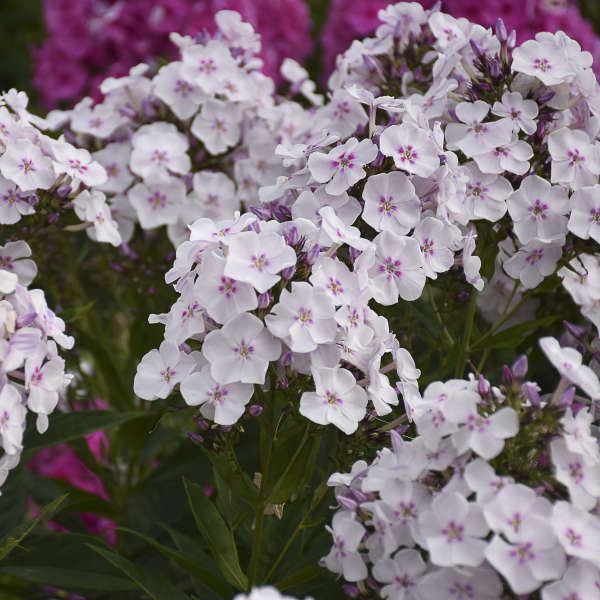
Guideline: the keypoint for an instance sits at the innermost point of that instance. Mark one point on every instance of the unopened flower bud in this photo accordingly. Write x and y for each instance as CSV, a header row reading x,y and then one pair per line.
x,y
287,359
63,191
291,235
282,213
255,226
351,590
354,253
494,68
53,217
128,111
197,439
576,331
148,108
310,258
262,212
202,423
33,199
476,49
255,410
264,300
288,272
511,40
567,397
500,31
519,368
546,97
360,496
507,377
347,503
483,387
202,37
531,393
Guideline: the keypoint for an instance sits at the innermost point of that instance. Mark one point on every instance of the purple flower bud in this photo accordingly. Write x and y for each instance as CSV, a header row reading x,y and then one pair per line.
x,y
576,331
507,377
255,410
226,428
483,387
567,397
264,300
511,40
494,68
63,191
350,590
287,359
188,180
202,37
291,235
378,159
397,441
282,213
360,496
544,459
128,111
288,272
148,108
546,97
476,49
347,503
117,267
463,296
373,66
519,368
262,212
500,30
310,258
33,199
354,253
531,393
197,439
255,226
53,217
202,423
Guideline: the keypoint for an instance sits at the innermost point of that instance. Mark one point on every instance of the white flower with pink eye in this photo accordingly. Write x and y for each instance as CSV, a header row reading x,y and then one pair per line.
x,y
160,371
521,113
484,196
343,166
208,66
158,203
584,220
180,94
391,203
396,269
581,580
575,159
213,196
435,240
43,382
461,583
482,479
531,554
24,163
485,435
581,479
186,317
99,121
13,258
337,400
114,158
411,148
159,149
78,164
333,276
542,60
512,157
582,279
241,350
577,530
473,136
218,125
257,259
338,232
222,403
577,433
538,210
12,419
207,230
471,263
568,362
92,207
401,574
13,203
223,297
344,557
303,318
452,529
342,115
533,262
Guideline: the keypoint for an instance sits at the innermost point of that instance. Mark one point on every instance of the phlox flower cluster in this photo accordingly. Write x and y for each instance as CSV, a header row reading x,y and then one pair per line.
x,y
37,169
348,20
195,139
32,371
452,513
90,40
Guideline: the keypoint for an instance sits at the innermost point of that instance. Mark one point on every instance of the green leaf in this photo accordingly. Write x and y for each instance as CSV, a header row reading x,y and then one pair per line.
x,y
509,338
151,582
217,535
10,541
65,427
188,562
64,560
299,578
73,314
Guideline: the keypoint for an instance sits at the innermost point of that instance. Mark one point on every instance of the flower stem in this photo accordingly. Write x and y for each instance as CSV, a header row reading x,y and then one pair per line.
x,y
464,344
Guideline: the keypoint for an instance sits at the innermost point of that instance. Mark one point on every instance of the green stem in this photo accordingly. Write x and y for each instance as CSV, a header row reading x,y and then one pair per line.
x,y
258,526
464,344
438,316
